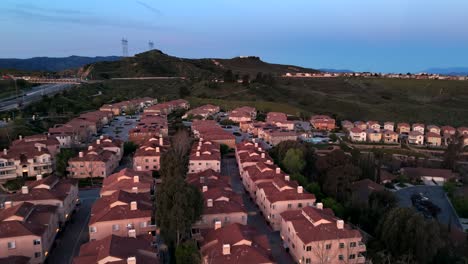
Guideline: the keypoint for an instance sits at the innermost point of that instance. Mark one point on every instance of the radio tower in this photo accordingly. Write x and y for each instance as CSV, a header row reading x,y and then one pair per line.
x,y
124,47
151,45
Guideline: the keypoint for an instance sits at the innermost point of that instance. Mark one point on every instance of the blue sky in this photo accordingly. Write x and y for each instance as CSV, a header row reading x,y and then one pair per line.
x,y
362,35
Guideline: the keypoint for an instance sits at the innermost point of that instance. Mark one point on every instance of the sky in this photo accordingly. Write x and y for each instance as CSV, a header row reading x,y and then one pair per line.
x,y
360,35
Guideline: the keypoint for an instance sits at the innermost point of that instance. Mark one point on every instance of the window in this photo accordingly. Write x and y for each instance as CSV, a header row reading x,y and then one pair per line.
x,y
92,229
115,227
341,245
37,254
299,205
352,256
340,257
143,224
289,206
328,246
309,248
273,207
11,245
273,216
307,261
352,244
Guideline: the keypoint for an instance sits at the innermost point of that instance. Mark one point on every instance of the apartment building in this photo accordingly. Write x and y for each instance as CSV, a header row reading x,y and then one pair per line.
x,y
25,161
322,122
40,140
147,157
205,155
149,126
122,214
49,191
243,114
280,120
202,112
281,195
168,107
249,153
128,180
211,131
259,173
462,131
28,231
210,179
276,135
448,131
315,235
235,243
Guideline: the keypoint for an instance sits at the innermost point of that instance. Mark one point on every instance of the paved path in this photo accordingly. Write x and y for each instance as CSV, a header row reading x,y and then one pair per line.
x,y
75,233
436,195
255,219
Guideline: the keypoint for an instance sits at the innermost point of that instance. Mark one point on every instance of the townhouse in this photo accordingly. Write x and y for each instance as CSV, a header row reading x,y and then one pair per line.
x,y
202,112
130,250
389,137
416,138
66,134
25,161
373,136
361,125
205,155
209,178
418,127
128,180
322,122
28,231
49,191
147,157
259,173
433,139
281,195
275,136
433,129
462,131
243,114
249,154
100,118
148,127
315,235
40,140
168,107
403,128
390,126
99,160
280,120
448,131
374,125
211,131
122,214
357,135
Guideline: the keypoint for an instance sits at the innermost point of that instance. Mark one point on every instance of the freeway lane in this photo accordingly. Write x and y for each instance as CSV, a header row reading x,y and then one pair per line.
x,y
34,95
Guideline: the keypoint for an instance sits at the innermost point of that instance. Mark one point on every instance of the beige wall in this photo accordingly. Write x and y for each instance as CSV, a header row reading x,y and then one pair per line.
x,y
147,163
104,229
202,165
208,220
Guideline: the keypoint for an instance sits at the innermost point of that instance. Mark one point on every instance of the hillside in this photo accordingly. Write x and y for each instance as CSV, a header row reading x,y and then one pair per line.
x,y
51,64
156,63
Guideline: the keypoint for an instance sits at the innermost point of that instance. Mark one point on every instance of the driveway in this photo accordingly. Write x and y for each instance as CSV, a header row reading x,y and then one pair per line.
x,y
437,196
75,233
229,168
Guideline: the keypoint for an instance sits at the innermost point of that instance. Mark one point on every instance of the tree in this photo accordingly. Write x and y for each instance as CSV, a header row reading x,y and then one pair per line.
x,y
184,92
61,161
245,79
333,137
229,77
331,203
129,148
294,160
187,253
224,149
451,155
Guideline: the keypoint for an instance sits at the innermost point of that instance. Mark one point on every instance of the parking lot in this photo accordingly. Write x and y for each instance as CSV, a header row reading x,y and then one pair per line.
x,y
120,126
436,195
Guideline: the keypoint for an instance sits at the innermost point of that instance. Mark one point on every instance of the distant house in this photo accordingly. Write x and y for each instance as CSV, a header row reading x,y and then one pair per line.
x,y
448,131
347,125
418,127
373,125
433,139
373,136
462,131
403,128
389,126
416,138
361,125
363,189
243,114
357,135
389,137
205,155
323,122
433,129
440,176
465,140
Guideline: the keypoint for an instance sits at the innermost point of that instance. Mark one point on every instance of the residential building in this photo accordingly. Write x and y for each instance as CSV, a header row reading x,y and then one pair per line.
x,y
209,178
389,137
374,125
280,120
149,126
147,157
235,243
25,161
259,173
361,125
403,128
168,107
66,134
28,230
121,213
116,249
362,189
357,135
205,155
128,180
433,139
279,195
276,136
347,125
323,122
448,131
315,235
462,131
433,129
418,127
210,130
243,114
202,112
465,140
50,190
100,118
428,175
416,138
35,141
373,136
249,153
389,126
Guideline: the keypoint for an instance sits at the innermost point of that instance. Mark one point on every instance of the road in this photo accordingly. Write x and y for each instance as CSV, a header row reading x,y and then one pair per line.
x,y
255,219
75,233
436,195
33,95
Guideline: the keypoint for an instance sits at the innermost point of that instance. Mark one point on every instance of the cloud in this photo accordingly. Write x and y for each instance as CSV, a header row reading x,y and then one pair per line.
x,y
35,8
149,7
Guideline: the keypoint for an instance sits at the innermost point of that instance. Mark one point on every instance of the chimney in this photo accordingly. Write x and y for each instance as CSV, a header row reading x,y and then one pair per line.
x,y
161,141
278,170
90,147
98,141
136,179
286,177
319,206
138,168
339,224
133,206
260,149
262,155
202,179
209,203
256,145
24,190
101,137
131,260
200,143
132,233
8,204
157,149
205,188
201,140
300,189
20,137
5,151
198,147
80,154
217,225
39,148
198,154
135,189
38,177
226,249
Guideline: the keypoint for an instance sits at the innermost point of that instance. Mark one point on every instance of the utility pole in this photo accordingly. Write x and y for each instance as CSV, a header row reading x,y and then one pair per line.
x,y
124,47
151,45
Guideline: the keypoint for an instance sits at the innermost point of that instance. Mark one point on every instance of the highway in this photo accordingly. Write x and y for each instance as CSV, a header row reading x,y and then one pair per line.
x,y
33,95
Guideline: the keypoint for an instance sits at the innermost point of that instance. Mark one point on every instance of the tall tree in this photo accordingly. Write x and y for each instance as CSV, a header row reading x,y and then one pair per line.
x,y
294,160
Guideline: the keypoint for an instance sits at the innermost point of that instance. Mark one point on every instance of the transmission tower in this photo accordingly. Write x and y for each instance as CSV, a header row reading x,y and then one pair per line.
x,y
151,45
124,47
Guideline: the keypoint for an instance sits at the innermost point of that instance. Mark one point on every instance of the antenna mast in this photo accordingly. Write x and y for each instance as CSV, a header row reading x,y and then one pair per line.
x,y
124,47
